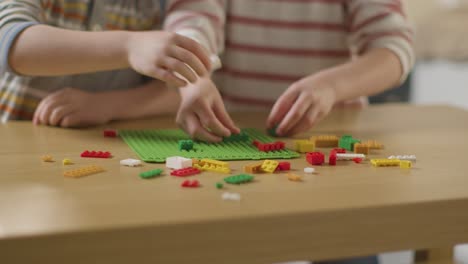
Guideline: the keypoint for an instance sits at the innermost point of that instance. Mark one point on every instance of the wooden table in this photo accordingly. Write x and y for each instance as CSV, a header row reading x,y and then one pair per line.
x,y
347,210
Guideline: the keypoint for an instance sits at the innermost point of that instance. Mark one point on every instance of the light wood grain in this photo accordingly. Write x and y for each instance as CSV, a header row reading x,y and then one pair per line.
x,y
347,210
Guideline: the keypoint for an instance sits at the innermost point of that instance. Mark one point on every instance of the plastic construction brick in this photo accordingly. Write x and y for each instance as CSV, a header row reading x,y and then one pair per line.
x,y
242,136
96,154
361,148
186,144
110,133
231,196
266,147
269,165
178,162
309,170
304,146
253,168
332,159
130,162
47,158
67,162
284,166
325,141
81,172
185,172
339,150
357,160
385,162
315,158
349,156
272,131
347,142
373,144
405,164
157,145
239,179
404,157
294,177
219,185
151,174
212,165
190,184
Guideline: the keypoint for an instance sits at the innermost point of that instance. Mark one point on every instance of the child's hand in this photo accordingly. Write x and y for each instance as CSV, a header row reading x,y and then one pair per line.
x,y
72,108
160,54
302,105
202,114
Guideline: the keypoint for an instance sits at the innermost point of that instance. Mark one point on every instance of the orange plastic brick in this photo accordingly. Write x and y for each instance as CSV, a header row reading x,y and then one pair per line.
x,y
81,172
253,168
325,141
361,148
373,144
294,177
47,158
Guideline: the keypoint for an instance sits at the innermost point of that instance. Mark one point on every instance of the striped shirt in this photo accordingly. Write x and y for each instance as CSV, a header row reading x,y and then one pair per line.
x,y
20,95
270,44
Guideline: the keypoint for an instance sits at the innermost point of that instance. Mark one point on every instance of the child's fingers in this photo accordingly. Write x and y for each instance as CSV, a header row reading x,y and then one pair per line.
x,y
70,120
194,127
281,107
59,113
309,119
294,115
187,57
209,120
167,77
195,48
38,113
181,68
224,118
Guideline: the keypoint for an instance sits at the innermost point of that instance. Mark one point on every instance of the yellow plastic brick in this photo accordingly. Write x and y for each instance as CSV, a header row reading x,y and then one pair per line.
x,y
405,164
373,144
67,162
385,162
304,146
212,165
85,171
269,165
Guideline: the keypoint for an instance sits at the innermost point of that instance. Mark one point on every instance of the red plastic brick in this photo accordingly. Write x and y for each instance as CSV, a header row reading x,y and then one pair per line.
x,y
266,147
339,150
332,159
315,158
190,184
96,154
357,160
284,166
185,172
110,133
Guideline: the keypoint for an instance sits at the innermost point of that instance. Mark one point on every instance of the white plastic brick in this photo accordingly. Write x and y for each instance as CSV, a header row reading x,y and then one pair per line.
x,y
130,162
403,157
177,162
227,196
349,156
309,170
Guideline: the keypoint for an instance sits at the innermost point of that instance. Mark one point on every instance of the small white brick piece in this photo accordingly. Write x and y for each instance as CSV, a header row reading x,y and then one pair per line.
x,y
231,196
349,156
177,162
130,162
309,170
403,157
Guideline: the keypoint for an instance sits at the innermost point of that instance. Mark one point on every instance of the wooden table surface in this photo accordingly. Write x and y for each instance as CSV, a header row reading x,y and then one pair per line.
x,y
347,210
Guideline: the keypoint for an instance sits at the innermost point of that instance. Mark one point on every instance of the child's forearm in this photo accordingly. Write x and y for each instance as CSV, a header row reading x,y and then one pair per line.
x,y
152,98
371,73
43,50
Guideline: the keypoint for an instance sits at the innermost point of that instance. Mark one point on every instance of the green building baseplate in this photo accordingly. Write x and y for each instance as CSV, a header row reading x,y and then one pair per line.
x,y
157,145
239,179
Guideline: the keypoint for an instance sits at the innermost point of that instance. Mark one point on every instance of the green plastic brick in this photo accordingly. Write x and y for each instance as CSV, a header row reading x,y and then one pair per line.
x,y
185,144
347,142
151,174
242,136
219,185
272,131
238,179
157,145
